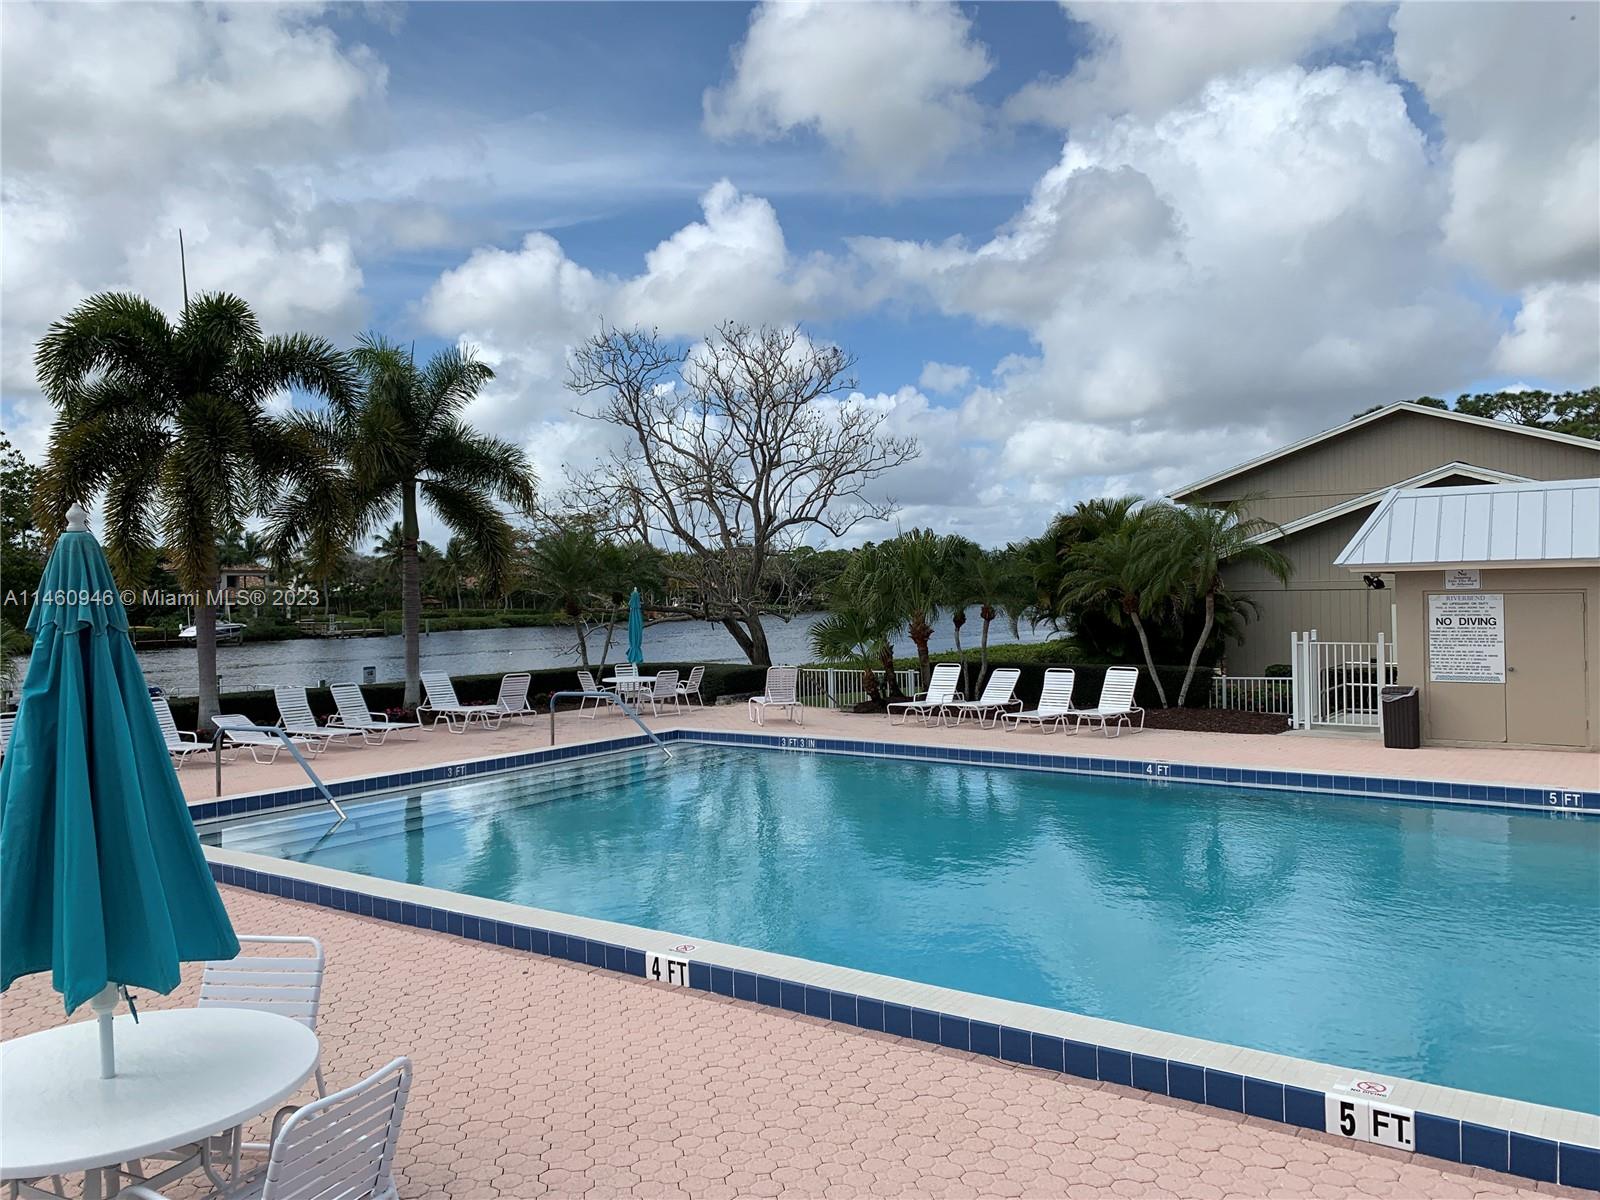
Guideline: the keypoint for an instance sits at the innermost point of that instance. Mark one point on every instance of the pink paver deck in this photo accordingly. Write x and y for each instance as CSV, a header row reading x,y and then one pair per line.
x,y
1333,753
536,1077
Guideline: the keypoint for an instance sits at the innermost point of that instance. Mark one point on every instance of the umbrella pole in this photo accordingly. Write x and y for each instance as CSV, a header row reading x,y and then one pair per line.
x,y
104,1003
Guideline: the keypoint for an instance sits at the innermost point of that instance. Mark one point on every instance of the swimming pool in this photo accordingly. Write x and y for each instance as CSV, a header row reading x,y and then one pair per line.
x,y
1453,945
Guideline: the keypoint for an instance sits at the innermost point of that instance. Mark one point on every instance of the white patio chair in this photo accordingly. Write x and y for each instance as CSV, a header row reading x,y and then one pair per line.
x,y
782,685
590,704
457,717
237,731
513,698
663,691
997,699
7,720
628,681
943,689
340,1147
1116,707
354,714
690,689
181,744
1055,702
289,985
294,713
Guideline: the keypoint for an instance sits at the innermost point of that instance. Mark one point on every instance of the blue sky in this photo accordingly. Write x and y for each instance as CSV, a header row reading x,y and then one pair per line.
x,y
1075,249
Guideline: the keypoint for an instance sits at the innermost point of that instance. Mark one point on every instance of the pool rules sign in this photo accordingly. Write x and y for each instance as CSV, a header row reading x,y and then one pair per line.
x,y
1467,638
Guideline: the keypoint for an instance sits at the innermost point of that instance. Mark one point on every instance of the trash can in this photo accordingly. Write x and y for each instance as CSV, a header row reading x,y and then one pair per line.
x,y
1400,711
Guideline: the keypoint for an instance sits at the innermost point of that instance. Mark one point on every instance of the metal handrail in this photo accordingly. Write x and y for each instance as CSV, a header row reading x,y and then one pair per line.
x,y
282,735
613,698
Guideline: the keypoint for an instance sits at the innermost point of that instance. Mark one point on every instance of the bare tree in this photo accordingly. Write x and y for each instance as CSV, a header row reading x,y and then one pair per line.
x,y
735,450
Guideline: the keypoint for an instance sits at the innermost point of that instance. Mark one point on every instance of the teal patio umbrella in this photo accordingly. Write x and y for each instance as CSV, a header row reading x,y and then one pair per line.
x,y
102,881
635,629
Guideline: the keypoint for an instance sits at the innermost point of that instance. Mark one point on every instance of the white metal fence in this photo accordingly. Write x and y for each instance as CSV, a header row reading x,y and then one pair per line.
x,y
1254,693
1336,684
841,687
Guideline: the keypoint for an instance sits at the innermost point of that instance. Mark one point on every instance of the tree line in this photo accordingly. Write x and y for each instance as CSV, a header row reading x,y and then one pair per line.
x,y
1131,581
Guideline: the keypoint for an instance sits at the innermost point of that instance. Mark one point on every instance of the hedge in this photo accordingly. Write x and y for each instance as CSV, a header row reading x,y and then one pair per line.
x,y
721,679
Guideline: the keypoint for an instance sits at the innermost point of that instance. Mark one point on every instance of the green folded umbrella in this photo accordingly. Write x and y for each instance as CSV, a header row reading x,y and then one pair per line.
x,y
635,629
102,881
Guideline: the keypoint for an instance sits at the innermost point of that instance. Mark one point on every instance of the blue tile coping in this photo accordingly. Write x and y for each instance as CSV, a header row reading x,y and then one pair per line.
x,y
1557,801
1568,1163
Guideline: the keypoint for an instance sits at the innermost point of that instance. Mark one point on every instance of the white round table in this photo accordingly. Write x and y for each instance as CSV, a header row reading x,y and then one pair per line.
x,y
182,1075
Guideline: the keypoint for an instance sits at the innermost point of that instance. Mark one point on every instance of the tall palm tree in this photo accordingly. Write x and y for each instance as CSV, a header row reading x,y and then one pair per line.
x,y
1190,546
1001,587
171,424
408,446
1113,573
912,571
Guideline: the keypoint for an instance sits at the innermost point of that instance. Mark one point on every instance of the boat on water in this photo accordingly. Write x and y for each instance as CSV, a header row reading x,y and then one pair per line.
x,y
228,632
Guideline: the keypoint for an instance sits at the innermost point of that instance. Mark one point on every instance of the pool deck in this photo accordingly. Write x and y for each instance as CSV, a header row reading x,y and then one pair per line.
x,y
538,1077
1335,753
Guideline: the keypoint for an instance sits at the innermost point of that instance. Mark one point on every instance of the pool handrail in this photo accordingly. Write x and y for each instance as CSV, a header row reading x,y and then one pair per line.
x,y
612,698
288,743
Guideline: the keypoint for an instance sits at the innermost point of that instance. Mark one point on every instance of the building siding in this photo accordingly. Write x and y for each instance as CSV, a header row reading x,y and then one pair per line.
x,y
1381,454
1332,600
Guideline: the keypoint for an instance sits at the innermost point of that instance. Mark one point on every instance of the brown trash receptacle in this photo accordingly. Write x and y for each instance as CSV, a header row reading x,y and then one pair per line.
x,y
1400,713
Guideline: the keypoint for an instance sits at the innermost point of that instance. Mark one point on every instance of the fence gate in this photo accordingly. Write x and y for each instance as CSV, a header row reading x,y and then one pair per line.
x,y
1336,684
840,687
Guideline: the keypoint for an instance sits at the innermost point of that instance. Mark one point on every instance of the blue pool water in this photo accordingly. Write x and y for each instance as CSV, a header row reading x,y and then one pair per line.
x,y
1456,946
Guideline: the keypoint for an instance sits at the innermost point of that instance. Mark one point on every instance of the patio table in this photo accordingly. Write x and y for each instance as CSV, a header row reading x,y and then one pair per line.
x,y
182,1075
631,683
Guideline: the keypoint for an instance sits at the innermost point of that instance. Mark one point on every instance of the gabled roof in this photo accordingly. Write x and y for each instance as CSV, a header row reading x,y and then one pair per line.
x,y
1484,474
1518,524
1370,418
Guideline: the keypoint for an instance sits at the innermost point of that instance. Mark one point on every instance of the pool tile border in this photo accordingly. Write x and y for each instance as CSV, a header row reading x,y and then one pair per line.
x,y
1556,801
1572,1164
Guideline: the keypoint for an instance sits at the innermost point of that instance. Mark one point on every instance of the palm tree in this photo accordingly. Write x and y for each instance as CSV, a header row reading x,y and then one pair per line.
x,y
1112,574
857,635
171,424
1190,547
564,564
911,573
456,563
407,445
1001,586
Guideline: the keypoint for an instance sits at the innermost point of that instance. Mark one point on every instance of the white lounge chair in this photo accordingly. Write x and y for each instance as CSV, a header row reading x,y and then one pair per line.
x,y
238,731
1116,707
513,698
181,744
997,699
943,689
354,714
1055,702
341,1145
294,713
458,717
7,720
690,689
782,685
664,691
590,704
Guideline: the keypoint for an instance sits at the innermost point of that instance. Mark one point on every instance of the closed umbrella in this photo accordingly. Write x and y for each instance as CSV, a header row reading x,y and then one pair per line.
x,y
635,629
102,881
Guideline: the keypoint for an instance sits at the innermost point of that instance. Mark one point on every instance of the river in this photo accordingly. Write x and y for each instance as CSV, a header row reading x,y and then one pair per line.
x,y
485,651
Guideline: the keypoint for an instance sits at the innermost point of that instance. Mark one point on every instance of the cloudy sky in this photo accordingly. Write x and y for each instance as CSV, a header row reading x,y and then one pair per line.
x,y
1077,249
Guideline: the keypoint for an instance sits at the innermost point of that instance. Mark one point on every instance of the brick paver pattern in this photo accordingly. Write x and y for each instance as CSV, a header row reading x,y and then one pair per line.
x,y
543,1078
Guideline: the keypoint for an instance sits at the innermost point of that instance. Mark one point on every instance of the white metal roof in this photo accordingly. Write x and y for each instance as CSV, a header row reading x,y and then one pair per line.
x,y
1547,522
1381,414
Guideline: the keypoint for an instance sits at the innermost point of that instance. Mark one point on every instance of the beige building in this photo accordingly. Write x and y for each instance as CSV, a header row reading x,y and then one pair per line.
x,y
1321,490
1498,608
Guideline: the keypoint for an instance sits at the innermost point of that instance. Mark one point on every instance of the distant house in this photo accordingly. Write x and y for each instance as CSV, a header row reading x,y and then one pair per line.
x,y
1321,490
